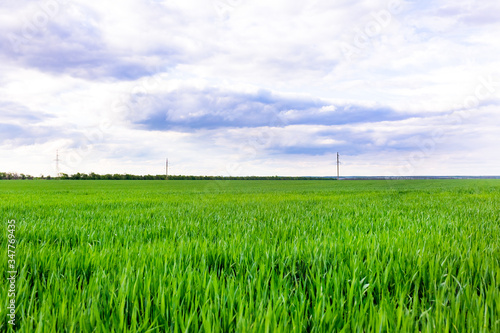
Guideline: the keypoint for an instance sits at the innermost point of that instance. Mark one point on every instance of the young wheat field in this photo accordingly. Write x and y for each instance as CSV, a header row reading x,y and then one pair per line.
x,y
253,256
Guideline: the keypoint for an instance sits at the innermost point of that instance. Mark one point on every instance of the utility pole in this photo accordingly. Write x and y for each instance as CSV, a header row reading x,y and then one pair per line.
x,y
57,163
338,169
166,170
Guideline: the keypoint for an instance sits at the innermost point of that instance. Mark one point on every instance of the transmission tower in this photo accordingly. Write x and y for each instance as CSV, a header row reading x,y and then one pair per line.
x,y
57,163
166,170
338,167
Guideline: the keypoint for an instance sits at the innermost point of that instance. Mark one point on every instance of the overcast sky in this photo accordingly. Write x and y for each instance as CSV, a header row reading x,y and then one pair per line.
x,y
250,87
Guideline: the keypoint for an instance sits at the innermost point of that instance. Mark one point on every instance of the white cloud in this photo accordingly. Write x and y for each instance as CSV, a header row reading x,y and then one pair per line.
x,y
86,73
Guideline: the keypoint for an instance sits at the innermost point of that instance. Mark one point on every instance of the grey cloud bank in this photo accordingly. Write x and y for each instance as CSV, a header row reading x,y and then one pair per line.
x,y
258,84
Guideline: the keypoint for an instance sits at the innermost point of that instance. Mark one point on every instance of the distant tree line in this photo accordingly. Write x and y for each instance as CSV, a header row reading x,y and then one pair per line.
x,y
14,175
95,176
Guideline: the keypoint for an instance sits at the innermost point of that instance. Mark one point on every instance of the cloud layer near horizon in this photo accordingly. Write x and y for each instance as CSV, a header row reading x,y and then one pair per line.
x,y
236,87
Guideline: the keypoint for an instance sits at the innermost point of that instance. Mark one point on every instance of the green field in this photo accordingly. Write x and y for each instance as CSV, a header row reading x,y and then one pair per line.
x,y
253,256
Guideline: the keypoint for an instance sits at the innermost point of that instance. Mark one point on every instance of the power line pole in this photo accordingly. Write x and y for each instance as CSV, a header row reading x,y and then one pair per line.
x,y
166,170
57,162
338,169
